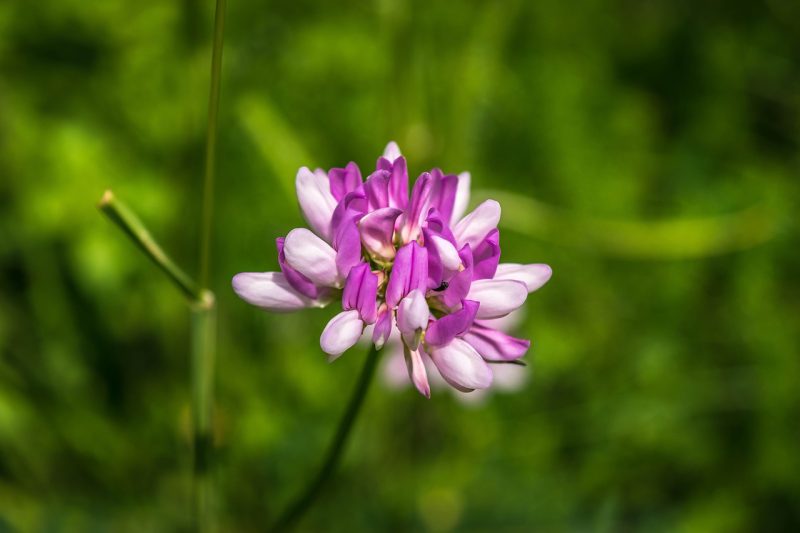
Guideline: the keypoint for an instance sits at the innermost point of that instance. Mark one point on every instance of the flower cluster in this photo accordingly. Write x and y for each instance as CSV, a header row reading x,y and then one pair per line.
x,y
397,261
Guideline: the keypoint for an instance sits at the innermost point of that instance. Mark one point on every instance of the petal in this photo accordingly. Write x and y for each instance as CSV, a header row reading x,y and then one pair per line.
x,y
486,256
440,332
409,272
497,297
391,152
316,201
474,227
344,180
459,284
299,282
341,333
312,257
348,247
447,253
418,207
416,371
461,366
462,197
360,292
376,189
270,290
412,316
533,276
377,231
444,193
494,345
383,326
398,184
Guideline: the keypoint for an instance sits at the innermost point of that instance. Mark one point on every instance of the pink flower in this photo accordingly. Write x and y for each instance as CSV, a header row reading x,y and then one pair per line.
x,y
410,266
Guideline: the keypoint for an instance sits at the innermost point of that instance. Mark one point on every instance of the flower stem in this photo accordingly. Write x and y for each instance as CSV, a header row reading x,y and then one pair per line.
x,y
300,505
211,140
126,219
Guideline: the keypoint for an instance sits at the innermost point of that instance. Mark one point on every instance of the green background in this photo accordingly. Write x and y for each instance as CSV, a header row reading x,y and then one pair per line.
x,y
648,151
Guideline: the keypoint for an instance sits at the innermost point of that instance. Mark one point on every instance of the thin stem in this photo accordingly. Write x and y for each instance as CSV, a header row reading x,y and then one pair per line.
x,y
126,219
301,504
211,140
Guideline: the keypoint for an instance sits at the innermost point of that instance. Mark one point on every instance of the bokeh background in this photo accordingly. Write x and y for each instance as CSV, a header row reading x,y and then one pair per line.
x,y
647,150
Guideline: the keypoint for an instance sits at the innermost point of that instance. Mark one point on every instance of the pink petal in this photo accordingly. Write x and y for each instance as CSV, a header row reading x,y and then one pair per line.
x,y
494,345
344,180
409,272
391,152
383,326
270,290
462,197
360,292
497,297
474,227
416,371
312,257
341,333
533,275
461,366
440,332
316,201
377,231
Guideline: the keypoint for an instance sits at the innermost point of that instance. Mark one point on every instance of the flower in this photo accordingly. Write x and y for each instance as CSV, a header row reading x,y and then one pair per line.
x,y
411,267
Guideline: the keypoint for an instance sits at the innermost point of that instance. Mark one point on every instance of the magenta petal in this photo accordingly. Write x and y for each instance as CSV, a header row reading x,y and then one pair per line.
x,y
438,226
398,180
416,371
377,190
435,268
409,272
460,283
494,345
383,326
486,256
344,180
461,366
298,281
444,193
447,328
418,207
353,205
348,247
360,292
377,231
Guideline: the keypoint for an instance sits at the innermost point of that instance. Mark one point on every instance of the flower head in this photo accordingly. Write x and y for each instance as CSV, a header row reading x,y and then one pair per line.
x,y
411,265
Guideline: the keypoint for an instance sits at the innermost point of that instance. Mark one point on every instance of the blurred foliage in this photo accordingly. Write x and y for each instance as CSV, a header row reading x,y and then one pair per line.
x,y
647,150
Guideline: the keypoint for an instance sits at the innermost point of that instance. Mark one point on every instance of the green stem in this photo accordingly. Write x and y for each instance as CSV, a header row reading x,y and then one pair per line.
x,y
211,140
127,220
301,504
204,321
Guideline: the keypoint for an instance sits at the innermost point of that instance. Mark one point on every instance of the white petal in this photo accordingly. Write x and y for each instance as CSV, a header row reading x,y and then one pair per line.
x,y
416,371
462,197
392,151
461,366
316,201
412,312
312,257
533,276
473,228
341,333
497,297
447,253
270,290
